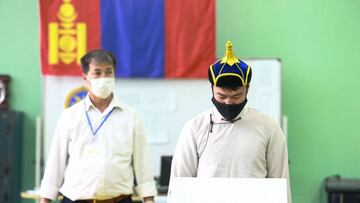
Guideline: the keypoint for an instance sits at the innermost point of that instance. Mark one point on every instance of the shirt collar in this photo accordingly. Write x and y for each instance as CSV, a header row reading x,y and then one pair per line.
x,y
114,103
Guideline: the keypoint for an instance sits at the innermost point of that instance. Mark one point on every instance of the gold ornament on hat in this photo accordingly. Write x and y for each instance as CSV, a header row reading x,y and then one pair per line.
x,y
229,57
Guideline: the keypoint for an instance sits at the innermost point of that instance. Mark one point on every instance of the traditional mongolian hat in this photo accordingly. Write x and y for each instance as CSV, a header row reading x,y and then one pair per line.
x,y
229,71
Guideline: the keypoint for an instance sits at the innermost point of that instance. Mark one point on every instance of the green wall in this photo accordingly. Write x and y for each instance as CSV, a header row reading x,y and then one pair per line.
x,y
318,42
19,57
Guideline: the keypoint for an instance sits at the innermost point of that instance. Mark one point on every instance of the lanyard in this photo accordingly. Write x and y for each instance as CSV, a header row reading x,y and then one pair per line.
x,y
102,122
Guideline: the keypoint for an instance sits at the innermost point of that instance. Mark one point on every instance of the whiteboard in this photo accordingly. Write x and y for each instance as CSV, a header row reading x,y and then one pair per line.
x,y
166,104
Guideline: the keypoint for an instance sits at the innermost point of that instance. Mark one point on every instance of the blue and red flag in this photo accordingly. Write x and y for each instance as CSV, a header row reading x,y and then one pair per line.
x,y
150,39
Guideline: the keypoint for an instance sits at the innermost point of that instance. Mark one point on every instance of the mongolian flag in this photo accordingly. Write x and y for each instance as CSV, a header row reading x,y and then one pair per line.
x,y
150,38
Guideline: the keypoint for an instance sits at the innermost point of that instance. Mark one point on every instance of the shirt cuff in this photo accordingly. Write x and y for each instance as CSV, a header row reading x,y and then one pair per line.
x,y
48,191
146,189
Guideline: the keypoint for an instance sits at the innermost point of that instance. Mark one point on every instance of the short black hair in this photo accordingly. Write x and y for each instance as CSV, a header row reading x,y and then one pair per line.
x,y
230,88
99,56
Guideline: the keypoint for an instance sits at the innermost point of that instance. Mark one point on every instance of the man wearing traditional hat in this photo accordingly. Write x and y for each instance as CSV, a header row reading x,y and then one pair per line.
x,y
231,140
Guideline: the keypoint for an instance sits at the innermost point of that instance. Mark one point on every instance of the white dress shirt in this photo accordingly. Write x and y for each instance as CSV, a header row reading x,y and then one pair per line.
x,y
81,165
251,147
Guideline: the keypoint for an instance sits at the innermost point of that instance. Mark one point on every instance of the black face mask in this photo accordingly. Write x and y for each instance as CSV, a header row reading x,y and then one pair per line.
x,y
229,111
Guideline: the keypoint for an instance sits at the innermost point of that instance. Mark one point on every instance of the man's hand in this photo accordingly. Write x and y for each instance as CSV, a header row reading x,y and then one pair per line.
x,y
44,200
149,199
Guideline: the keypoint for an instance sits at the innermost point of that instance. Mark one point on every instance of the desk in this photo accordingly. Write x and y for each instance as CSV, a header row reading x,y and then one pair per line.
x,y
32,195
35,196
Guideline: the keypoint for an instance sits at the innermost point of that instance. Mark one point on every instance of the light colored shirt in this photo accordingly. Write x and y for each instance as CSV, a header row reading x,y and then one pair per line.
x,y
251,147
81,165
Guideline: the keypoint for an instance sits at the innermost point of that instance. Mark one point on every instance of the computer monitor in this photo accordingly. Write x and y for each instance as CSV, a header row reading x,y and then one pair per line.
x,y
165,168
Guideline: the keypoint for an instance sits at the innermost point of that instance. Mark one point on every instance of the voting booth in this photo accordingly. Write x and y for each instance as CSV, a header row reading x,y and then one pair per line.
x,y
215,190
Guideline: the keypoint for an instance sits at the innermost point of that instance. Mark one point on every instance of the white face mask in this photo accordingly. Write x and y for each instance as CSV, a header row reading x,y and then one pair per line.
x,y
102,87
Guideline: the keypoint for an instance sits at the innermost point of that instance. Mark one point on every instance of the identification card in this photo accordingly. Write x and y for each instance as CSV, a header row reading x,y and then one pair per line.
x,y
93,150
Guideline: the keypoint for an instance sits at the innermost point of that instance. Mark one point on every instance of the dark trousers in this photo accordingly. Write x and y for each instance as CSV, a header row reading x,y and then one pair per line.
x,y
67,200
